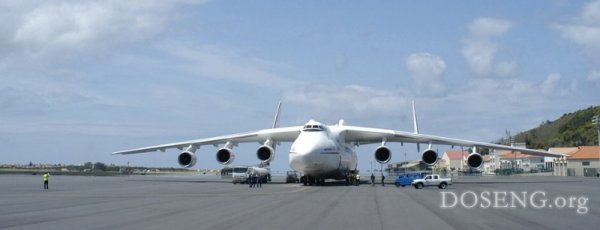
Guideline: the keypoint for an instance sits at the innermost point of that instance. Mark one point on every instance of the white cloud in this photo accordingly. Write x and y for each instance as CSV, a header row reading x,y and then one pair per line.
x,y
584,29
55,29
507,68
427,71
486,96
594,77
351,101
222,63
548,86
480,48
487,28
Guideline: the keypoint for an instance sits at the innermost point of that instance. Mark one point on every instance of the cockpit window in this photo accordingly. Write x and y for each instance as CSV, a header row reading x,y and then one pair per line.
x,y
313,128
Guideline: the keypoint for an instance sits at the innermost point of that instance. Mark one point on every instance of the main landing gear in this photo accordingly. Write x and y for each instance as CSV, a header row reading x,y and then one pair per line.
x,y
312,181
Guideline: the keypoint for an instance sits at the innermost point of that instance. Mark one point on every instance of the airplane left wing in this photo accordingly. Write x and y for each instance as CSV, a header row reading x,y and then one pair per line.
x,y
364,135
286,134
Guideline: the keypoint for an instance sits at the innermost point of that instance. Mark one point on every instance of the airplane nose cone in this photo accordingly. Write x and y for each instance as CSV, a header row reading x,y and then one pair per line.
x,y
314,154
305,159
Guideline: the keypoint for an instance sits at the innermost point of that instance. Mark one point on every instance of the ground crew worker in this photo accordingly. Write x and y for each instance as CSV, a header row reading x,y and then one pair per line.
x,y
249,180
45,176
357,179
259,181
382,180
372,179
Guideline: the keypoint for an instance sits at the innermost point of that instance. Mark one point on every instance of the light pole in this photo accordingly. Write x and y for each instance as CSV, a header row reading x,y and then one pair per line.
x,y
596,121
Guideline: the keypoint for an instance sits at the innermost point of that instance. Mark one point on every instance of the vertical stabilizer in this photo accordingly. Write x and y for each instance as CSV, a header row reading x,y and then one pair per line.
x,y
415,123
276,121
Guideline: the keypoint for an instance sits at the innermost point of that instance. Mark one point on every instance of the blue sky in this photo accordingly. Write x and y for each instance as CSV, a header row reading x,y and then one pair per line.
x,y
81,79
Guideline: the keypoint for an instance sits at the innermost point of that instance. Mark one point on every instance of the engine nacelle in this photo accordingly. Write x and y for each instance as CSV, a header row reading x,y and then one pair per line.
x,y
265,153
475,160
225,156
186,159
429,156
383,154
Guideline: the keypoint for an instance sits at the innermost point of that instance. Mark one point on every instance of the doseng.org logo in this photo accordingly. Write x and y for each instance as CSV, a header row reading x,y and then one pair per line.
x,y
511,199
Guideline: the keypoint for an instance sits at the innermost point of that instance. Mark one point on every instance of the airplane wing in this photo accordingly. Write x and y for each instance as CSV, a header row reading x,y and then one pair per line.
x,y
364,135
286,134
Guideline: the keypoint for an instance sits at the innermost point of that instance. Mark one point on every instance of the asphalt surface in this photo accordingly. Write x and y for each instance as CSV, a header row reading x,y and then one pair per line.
x,y
151,202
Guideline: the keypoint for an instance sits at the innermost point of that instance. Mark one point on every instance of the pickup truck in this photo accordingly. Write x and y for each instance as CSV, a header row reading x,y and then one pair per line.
x,y
432,180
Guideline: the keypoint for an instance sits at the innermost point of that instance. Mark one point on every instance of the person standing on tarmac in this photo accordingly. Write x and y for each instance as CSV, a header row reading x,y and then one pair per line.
x,y
357,179
259,181
45,176
250,181
382,180
372,179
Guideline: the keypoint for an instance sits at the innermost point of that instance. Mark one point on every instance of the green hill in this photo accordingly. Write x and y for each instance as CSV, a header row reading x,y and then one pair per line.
x,y
571,129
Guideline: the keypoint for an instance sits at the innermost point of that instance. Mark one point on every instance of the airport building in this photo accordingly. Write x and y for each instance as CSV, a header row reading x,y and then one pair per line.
x,y
520,161
455,160
585,161
559,165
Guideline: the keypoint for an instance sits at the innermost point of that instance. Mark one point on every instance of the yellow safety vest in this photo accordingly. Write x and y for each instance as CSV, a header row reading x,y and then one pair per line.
x,y
358,176
46,177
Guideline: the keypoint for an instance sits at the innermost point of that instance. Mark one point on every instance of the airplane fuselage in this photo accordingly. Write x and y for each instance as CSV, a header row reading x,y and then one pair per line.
x,y
320,151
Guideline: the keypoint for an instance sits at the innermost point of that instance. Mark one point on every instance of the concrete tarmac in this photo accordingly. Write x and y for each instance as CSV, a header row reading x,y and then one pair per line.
x,y
152,202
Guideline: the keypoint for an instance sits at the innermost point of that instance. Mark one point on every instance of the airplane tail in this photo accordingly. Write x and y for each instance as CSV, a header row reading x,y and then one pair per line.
x,y
415,123
276,120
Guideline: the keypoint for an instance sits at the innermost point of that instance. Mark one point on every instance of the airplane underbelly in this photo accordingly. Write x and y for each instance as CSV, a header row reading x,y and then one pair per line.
x,y
315,164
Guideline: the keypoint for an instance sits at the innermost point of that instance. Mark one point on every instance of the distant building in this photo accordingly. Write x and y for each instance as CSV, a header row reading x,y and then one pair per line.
x,y
401,167
584,162
559,165
455,159
518,160
489,164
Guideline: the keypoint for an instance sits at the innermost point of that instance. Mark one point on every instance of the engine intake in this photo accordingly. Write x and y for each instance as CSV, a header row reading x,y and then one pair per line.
x,y
383,154
186,159
225,156
474,160
429,156
265,153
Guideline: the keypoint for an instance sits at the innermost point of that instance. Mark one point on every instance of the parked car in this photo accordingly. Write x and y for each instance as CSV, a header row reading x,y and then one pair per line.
x,y
408,178
292,177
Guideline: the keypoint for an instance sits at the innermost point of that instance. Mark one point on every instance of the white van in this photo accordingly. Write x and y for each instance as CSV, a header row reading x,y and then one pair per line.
x,y
239,174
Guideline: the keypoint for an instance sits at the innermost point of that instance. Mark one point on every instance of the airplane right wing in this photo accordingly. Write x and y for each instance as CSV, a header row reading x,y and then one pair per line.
x,y
364,135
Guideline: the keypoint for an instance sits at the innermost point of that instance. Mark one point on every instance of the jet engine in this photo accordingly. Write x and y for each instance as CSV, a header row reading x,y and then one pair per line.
x,y
186,159
474,160
225,156
265,153
429,156
383,154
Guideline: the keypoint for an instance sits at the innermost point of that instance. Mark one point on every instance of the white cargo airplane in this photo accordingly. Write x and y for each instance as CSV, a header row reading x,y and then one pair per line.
x,y
322,152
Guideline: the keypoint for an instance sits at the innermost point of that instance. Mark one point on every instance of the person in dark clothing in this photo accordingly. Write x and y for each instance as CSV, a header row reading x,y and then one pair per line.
x,y
372,179
382,180
259,181
254,181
